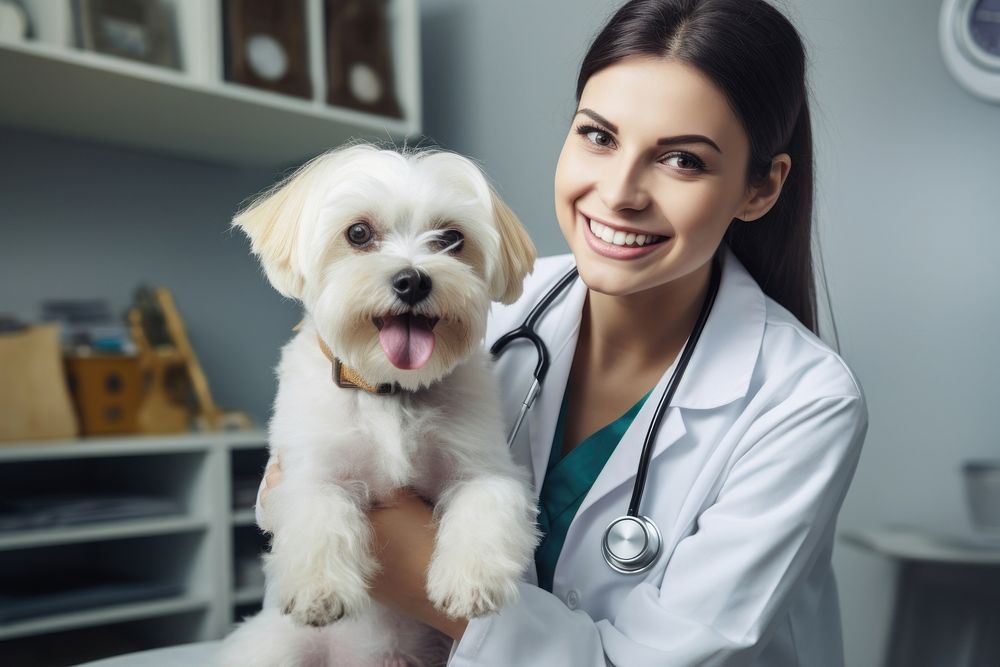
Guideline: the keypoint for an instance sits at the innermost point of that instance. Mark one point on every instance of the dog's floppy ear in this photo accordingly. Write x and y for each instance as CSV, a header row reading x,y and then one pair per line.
x,y
272,222
517,253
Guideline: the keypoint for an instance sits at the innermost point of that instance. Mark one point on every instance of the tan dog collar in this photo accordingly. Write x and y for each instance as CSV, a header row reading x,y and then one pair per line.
x,y
347,377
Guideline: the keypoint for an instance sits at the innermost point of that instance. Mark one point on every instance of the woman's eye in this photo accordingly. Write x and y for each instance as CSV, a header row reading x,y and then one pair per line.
x,y
450,240
685,161
599,138
596,136
360,234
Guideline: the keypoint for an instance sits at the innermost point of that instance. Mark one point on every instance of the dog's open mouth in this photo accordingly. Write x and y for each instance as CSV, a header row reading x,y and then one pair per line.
x,y
407,339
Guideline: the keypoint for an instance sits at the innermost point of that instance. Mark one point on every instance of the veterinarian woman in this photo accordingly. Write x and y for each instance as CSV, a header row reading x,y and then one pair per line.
x,y
692,133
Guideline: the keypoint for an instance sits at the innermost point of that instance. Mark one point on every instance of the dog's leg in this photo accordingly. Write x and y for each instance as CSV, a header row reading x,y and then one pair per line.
x,y
485,540
320,560
271,640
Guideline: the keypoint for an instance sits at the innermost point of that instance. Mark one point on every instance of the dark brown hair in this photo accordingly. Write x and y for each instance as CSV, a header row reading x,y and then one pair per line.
x,y
756,58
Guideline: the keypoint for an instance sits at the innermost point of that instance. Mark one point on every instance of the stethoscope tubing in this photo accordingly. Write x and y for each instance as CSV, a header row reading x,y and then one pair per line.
x,y
527,331
667,396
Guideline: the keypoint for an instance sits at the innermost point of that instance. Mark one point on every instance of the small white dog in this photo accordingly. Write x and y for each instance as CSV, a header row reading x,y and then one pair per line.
x,y
396,258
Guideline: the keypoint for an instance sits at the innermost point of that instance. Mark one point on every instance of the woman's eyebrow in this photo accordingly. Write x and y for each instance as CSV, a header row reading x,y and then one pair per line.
x,y
663,141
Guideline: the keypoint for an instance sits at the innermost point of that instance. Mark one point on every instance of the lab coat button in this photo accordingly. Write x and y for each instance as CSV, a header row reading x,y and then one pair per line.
x,y
573,599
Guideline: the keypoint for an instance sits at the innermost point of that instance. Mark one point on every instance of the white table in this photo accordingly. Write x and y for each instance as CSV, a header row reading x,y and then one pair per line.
x,y
185,655
947,595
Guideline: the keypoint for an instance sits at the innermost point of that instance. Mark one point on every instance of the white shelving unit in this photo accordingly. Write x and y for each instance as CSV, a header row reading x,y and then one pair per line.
x,y
49,85
195,554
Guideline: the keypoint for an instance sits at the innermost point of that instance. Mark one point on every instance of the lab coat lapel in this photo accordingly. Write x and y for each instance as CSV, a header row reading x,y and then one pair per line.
x,y
560,338
624,461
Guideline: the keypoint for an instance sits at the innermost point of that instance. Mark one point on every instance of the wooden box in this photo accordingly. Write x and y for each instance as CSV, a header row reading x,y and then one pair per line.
x,y
107,391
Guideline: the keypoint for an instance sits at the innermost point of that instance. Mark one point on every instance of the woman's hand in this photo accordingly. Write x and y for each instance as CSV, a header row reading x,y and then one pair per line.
x,y
403,535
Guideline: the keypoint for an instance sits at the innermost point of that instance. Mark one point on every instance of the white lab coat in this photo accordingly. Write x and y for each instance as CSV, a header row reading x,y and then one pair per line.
x,y
749,471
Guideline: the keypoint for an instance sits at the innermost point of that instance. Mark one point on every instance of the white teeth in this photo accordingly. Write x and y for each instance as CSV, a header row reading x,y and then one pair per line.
x,y
609,235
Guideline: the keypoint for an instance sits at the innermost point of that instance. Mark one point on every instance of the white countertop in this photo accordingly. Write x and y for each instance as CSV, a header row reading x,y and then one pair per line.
x,y
913,543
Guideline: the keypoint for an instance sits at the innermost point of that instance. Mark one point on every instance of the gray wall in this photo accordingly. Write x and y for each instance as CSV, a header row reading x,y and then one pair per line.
x,y
909,169
907,212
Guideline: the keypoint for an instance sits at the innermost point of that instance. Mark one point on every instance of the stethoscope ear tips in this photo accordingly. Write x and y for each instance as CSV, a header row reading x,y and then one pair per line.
x,y
631,544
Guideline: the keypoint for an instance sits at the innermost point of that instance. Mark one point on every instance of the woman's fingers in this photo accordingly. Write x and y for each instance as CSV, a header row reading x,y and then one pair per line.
x,y
272,475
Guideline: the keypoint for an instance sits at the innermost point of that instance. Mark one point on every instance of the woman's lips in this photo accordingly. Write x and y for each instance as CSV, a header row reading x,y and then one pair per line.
x,y
605,249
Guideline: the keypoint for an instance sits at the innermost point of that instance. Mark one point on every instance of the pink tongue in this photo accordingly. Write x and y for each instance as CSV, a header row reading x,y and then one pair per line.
x,y
407,340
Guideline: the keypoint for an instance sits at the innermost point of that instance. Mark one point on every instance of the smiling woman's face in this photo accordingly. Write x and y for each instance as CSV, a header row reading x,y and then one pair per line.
x,y
656,151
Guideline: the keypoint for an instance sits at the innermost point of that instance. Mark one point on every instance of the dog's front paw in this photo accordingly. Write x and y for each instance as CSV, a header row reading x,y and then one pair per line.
x,y
314,606
471,584
317,600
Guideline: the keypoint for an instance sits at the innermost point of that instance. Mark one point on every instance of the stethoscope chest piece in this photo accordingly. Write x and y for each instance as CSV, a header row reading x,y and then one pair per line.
x,y
631,544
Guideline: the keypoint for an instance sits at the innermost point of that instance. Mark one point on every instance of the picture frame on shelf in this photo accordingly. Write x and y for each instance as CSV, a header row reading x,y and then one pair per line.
x,y
359,55
265,45
140,30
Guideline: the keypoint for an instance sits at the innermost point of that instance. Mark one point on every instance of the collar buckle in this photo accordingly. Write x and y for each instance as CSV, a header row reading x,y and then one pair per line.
x,y
348,378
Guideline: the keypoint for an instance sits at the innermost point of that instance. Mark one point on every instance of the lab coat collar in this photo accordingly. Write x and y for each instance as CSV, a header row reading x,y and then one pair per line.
x,y
723,361
718,372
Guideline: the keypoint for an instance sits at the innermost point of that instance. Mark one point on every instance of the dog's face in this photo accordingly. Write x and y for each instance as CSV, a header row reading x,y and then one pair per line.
x,y
396,257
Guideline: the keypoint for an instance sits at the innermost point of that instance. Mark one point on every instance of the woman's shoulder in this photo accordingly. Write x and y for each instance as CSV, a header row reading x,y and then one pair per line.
x,y
769,353
798,360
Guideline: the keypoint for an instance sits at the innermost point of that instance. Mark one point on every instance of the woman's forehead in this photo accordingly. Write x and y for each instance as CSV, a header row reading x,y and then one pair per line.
x,y
649,98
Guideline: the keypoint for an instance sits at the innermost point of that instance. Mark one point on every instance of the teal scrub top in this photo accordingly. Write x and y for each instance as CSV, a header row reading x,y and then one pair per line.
x,y
567,481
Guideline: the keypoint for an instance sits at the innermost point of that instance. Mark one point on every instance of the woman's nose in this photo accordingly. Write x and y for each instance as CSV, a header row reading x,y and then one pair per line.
x,y
622,186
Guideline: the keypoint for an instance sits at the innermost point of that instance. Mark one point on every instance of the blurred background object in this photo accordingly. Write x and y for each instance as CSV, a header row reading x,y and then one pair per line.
x,y
265,45
982,490
969,33
143,30
34,399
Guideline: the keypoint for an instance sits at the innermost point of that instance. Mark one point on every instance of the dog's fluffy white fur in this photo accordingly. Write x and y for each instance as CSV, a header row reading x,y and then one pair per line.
x,y
342,450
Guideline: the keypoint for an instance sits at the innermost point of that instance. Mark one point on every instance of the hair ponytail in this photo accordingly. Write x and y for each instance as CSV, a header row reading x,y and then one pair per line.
x,y
776,248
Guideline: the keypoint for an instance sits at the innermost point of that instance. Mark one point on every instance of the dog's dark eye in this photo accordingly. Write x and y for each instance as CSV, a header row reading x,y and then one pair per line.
x,y
360,234
452,239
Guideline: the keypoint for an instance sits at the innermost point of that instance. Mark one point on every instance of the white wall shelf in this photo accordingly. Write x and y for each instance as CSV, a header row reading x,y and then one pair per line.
x,y
194,113
127,445
243,517
23,539
197,552
248,595
104,615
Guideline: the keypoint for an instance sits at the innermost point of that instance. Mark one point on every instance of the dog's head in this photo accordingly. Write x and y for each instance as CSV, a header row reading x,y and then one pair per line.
x,y
396,256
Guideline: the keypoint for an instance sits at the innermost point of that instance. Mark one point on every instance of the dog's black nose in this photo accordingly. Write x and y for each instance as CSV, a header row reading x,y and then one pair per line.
x,y
411,286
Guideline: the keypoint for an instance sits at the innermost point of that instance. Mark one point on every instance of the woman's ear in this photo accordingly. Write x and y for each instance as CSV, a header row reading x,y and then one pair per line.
x,y
762,197
272,222
517,253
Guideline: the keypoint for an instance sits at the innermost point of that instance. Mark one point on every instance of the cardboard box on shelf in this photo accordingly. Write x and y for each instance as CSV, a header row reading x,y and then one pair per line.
x,y
34,399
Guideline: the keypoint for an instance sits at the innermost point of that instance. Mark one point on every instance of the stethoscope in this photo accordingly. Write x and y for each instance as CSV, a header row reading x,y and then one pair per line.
x,y
632,542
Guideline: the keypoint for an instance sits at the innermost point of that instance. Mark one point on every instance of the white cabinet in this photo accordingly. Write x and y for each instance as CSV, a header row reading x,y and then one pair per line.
x,y
86,590
52,87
